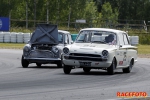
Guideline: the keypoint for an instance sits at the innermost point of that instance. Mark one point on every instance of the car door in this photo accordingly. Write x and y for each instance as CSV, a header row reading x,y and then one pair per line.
x,y
126,46
121,53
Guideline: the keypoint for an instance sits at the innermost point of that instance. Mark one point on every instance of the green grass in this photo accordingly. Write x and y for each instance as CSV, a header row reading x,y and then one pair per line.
x,y
12,45
30,30
21,29
142,49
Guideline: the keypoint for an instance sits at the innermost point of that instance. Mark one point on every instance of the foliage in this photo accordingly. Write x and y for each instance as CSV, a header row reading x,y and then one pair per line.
x,y
97,13
90,11
128,9
59,10
108,14
144,38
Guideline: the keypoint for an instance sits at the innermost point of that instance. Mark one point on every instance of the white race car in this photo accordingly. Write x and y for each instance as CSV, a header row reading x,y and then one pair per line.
x,y
100,48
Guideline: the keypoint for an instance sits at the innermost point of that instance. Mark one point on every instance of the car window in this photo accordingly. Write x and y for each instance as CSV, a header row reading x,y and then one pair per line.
x,y
70,39
66,39
104,37
95,36
126,42
111,39
83,37
121,39
60,37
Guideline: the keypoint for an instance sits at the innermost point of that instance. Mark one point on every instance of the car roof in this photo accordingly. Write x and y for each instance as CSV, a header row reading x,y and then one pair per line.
x,y
103,29
65,32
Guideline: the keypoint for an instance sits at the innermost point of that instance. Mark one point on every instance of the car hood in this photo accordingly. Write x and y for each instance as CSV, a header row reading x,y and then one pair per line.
x,y
45,34
90,47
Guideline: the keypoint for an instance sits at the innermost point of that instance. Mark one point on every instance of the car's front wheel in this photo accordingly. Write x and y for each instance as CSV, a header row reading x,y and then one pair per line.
x,y
67,69
38,64
86,70
24,62
129,68
110,70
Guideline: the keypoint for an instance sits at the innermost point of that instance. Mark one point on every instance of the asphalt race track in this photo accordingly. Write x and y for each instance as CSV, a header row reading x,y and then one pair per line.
x,y
50,83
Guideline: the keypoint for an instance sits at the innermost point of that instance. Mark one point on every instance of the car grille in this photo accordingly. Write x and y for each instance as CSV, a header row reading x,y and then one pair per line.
x,y
41,46
41,54
87,57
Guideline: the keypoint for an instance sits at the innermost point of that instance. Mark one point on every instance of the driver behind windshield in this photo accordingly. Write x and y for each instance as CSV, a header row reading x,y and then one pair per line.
x,y
110,39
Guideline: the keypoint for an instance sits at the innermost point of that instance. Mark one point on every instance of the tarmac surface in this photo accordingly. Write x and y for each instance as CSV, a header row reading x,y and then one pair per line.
x,y
50,83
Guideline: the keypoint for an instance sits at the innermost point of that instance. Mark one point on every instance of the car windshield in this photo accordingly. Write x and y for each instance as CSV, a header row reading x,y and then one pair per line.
x,y
60,37
96,37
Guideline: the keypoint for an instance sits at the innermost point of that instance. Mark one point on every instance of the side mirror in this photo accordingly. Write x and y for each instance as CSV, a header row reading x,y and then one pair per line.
x,y
134,40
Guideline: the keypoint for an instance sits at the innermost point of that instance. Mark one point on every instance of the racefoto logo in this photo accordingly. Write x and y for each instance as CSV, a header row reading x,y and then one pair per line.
x,y
132,94
1,23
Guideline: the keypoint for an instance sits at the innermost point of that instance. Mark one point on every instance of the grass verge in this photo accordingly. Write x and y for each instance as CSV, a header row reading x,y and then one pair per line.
x,y
144,51
11,45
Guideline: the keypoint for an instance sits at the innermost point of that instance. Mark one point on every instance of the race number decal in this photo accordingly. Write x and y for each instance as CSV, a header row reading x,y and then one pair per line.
x,y
120,62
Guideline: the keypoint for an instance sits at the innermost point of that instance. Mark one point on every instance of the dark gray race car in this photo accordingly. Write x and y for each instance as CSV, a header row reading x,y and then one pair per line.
x,y
45,46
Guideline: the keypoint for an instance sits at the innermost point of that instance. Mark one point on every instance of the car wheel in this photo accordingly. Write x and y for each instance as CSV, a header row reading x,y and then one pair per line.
x,y
86,70
24,62
129,68
67,69
110,70
59,64
38,64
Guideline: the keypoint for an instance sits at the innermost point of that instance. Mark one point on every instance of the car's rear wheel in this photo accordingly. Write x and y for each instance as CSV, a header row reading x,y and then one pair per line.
x,y
129,68
110,70
24,62
67,69
38,64
86,70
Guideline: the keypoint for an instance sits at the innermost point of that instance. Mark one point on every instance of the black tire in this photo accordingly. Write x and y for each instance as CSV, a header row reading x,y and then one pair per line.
x,y
24,62
110,70
38,64
129,68
59,64
67,69
86,70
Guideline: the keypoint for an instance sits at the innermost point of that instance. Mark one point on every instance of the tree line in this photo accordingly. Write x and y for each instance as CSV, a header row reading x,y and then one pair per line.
x,y
94,11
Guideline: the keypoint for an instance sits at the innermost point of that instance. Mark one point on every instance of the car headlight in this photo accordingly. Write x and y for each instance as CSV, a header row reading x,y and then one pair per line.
x,y
55,49
66,50
26,49
105,53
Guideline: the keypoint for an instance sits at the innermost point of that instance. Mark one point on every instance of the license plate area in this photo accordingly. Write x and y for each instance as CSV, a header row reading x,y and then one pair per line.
x,y
85,64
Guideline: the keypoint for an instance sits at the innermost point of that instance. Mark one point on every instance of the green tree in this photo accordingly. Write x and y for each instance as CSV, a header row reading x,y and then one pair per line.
x,y
90,12
108,15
